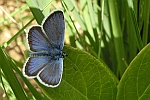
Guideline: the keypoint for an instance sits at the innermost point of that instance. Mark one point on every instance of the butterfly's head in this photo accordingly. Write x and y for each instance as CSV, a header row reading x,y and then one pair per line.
x,y
63,55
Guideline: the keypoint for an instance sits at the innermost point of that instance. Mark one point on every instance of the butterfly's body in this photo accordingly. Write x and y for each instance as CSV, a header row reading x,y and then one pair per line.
x,y
54,55
45,62
53,52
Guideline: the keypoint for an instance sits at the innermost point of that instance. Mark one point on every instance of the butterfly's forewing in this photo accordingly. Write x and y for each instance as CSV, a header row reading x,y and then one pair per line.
x,y
34,65
37,40
53,26
51,75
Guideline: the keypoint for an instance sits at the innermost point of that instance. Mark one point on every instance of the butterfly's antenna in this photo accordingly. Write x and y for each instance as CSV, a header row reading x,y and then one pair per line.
x,y
74,67
26,53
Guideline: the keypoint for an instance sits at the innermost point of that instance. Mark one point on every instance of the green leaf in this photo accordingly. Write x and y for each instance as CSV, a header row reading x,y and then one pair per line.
x,y
135,83
84,78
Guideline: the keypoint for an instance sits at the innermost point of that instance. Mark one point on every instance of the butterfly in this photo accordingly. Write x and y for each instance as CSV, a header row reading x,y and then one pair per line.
x,y
46,41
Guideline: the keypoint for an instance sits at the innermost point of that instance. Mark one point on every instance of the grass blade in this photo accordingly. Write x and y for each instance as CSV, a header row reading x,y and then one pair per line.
x,y
6,67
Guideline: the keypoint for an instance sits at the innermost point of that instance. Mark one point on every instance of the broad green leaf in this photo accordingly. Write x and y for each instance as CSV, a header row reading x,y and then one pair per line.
x,y
135,83
84,78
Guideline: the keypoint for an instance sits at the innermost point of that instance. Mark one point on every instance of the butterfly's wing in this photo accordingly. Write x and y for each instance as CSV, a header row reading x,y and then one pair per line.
x,y
51,75
34,65
37,40
54,26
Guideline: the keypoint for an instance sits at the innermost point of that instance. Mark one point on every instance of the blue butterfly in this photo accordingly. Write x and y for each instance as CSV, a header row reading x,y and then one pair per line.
x,y
45,62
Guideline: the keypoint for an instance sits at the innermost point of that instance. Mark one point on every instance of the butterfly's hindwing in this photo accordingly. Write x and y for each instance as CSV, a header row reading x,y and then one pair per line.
x,y
51,75
34,64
